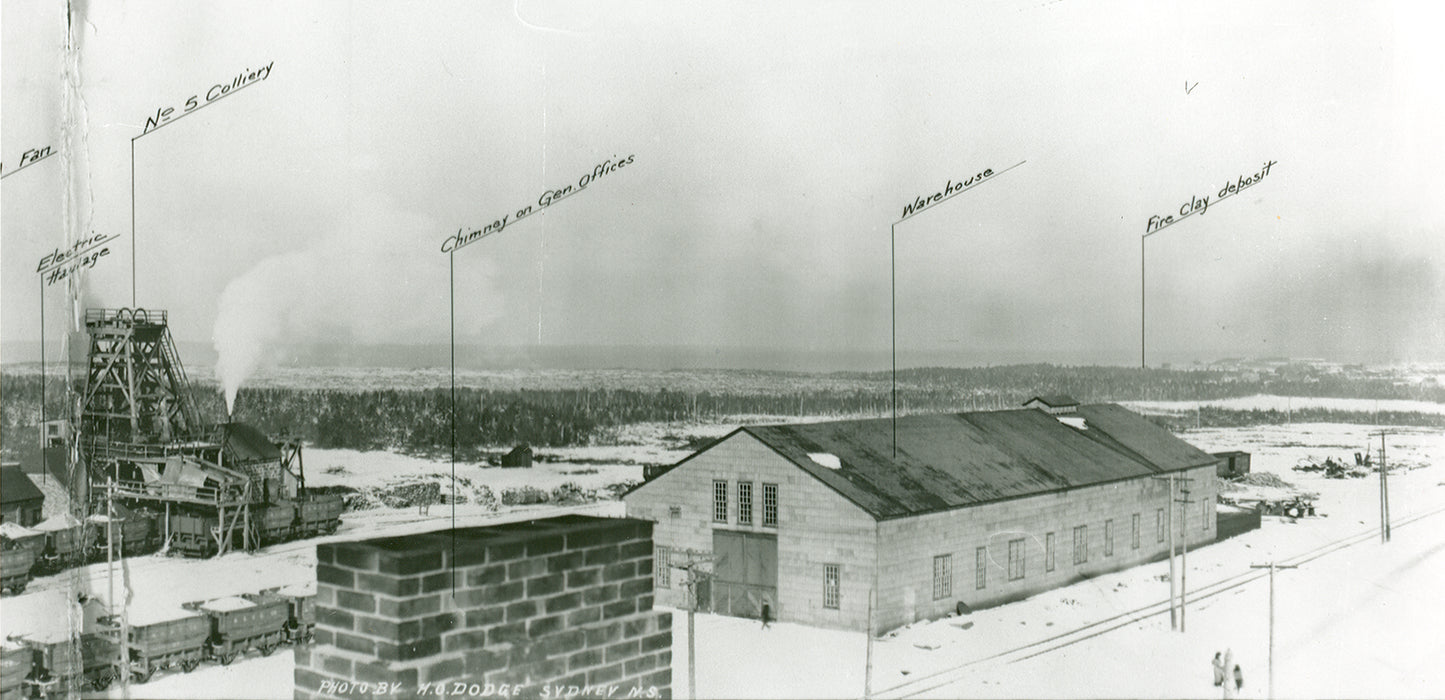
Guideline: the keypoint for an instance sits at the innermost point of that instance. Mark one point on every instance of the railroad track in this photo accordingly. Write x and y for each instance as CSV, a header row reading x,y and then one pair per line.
x,y
938,679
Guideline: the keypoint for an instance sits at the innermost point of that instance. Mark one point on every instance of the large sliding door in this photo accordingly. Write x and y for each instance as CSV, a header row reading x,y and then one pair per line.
x,y
745,573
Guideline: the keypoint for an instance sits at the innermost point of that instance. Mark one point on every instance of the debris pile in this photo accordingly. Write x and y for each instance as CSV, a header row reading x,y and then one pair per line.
x,y
1264,479
1334,469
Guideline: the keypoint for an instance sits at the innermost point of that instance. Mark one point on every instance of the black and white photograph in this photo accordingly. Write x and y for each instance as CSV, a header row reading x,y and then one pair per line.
x,y
548,349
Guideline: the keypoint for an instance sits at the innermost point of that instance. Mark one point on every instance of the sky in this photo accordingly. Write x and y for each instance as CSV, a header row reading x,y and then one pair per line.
x,y
771,149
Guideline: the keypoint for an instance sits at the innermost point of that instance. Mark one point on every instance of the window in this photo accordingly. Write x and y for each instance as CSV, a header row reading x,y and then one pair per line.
x,y
830,586
674,511
1109,537
980,567
1159,524
1049,552
1205,514
745,503
942,576
662,567
1081,544
719,501
1134,532
770,505
1015,560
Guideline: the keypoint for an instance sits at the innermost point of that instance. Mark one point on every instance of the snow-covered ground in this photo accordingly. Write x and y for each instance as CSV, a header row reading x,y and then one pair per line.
x,y
1269,402
1360,621
1363,620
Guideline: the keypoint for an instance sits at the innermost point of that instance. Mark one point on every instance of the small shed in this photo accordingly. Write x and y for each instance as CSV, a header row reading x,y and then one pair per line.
x,y
520,456
1053,404
1232,464
21,501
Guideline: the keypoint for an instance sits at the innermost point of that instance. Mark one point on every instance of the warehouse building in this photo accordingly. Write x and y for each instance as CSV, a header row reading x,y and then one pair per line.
x,y
975,509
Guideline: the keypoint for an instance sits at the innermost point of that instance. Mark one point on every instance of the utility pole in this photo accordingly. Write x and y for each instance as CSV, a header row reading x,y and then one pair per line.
x,y
1169,533
1384,491
868,654
1183,552
695,575
1271,566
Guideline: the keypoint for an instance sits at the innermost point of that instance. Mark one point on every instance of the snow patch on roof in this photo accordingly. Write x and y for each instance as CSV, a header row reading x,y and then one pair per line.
x,y
227,604
826,459
15,531
60,521
1074,422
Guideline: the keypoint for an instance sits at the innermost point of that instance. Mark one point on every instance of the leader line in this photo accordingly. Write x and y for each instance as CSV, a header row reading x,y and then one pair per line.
x,y
915,212
33,162
197,109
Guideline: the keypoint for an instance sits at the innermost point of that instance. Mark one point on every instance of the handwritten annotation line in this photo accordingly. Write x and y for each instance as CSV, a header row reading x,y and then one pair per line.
x,y
1192,212
208,103
33,162
71,256
959,192
555,199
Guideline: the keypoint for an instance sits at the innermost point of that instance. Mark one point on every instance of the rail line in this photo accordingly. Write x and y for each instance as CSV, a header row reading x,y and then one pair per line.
x,y
950,675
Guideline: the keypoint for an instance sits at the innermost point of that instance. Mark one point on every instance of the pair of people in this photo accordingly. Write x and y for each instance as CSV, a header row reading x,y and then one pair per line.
x,y
1219,674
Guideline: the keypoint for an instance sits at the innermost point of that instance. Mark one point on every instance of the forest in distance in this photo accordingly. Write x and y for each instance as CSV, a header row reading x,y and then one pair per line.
x,y
418,419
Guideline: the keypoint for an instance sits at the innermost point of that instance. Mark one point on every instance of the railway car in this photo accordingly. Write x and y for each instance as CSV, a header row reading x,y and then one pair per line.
x,y
135,532
239,625
15,662
320,515
16,564
64,668
191,534
68,543
301,617
277,522
166,638
12,535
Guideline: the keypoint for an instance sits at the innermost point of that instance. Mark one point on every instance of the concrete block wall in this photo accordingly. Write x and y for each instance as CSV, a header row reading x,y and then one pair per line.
x,y
565,601
816,526
909,545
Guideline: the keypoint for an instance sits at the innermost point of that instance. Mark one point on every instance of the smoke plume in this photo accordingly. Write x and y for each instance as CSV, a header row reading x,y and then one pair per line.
x,y
377,278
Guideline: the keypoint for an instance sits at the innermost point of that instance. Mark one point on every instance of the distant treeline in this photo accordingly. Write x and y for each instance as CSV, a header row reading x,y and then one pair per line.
x,y
420,420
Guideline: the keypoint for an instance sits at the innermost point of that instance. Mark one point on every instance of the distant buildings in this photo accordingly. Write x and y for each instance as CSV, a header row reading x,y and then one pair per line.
x,y
519,456
1232,464
21,501
975,509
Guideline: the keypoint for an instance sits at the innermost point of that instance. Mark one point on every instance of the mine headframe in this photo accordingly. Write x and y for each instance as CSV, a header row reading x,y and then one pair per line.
x,y
135,388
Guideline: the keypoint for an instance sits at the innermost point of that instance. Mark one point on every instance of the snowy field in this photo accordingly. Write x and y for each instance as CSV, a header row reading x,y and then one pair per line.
x,y
1354,621
1269,402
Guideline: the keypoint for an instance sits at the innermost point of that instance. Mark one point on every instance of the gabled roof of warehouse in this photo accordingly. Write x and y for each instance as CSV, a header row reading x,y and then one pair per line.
x,y
948,461
16,486
1054,400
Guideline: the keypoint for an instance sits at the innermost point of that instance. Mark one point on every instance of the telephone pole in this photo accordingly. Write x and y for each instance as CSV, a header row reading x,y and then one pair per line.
x,y
1176,614
1183,551
1384,490
1271,566
695,575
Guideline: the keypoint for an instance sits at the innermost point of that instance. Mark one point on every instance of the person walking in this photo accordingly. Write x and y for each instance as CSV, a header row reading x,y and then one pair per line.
x,y
1218,670
1238,679
767,614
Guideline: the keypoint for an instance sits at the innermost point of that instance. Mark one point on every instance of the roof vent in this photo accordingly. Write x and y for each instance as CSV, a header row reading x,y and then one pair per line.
x,y
826,459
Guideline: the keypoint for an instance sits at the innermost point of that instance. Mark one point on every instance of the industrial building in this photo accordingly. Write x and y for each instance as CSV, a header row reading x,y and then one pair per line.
x,y
969,510
21,501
